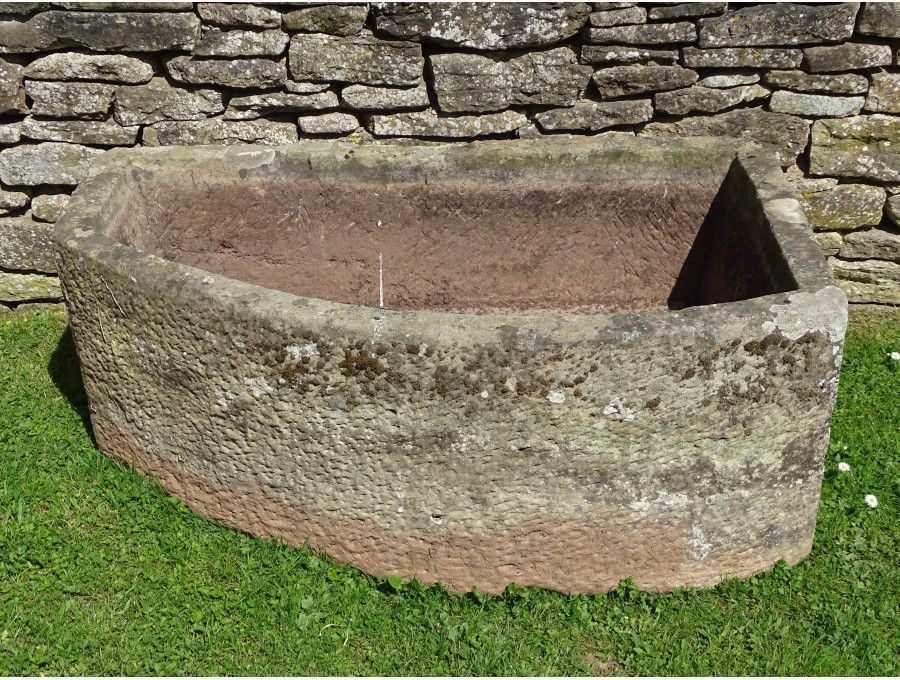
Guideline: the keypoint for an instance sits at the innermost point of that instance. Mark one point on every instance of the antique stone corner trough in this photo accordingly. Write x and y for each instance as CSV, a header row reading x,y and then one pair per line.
x,y
595,359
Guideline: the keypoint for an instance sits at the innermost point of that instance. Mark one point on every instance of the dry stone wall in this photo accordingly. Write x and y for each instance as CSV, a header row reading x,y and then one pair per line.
x,y
821,83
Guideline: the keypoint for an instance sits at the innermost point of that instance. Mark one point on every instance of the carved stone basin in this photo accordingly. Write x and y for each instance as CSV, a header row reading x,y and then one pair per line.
x,y
595,359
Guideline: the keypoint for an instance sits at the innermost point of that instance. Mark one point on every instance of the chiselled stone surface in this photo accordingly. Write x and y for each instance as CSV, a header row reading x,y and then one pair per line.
x,y
487,26
12,91
10,133
846,57
215,42
328,124
881,19
618,17
330,19
785,133
428,124
845,206
356,59
12,201
49,207
884,94
17,288
876,244
101,31
622,81
705,99
862,146
371,98
158,100
95,132
25,246
239,73
779,24
645,34
46,163
620,54
112,68
254,106
70,100
686,10
595,116
238,15
743,57
798,81
215,131
473,83
815,105
729,80
868,280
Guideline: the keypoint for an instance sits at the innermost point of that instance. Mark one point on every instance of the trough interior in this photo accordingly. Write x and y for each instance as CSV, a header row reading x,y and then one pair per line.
x,y
527,245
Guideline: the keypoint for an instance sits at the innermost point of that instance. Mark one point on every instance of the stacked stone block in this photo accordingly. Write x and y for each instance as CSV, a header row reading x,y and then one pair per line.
x,y
819,83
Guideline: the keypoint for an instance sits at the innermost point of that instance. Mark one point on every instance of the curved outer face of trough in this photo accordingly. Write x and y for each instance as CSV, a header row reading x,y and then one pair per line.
x,y
674,441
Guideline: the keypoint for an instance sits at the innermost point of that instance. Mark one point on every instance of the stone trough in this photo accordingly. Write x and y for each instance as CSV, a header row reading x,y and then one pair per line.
x,y
595,360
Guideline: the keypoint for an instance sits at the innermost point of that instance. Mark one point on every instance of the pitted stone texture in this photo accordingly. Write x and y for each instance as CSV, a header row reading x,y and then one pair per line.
x,y
46,163
863,146
428,124
686,10
843,207
483,26
331,19
357,59
815,105
779,24
214,131
26,246
238,15
476,83
238,73
743,57
619,54
49,207
884,94
596,116
12,91
328,124
846,57
12,201
623,81
112,68
254,106
871,244
707,100
158,100
881,19
786,134
101,31
371,98
18,288
618,17
215,42
868,280
798,81
683,32
93,132
70,100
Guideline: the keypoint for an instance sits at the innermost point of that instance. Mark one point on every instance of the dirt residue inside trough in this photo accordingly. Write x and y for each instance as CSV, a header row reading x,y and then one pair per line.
x,y
452,247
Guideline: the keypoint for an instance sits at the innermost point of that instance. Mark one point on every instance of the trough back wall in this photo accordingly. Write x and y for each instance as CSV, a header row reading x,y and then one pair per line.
x,y
819,82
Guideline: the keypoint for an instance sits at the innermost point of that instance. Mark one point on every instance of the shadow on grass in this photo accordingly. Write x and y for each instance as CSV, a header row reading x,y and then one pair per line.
x,y
65,371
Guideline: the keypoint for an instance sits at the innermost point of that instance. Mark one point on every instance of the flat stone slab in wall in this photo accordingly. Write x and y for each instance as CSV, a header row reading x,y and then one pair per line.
x,y
355,59
47,163
862,146
15,288
779,24
114,68
25,246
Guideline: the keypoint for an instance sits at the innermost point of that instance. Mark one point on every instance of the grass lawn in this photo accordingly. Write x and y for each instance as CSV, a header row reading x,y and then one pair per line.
x,y
102,573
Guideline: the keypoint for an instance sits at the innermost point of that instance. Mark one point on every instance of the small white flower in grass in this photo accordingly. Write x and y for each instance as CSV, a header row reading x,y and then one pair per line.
x,y
871,500
895,356
843,467
846,447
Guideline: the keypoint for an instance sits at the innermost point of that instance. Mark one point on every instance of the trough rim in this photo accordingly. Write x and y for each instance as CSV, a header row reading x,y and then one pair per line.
x,y
78,232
